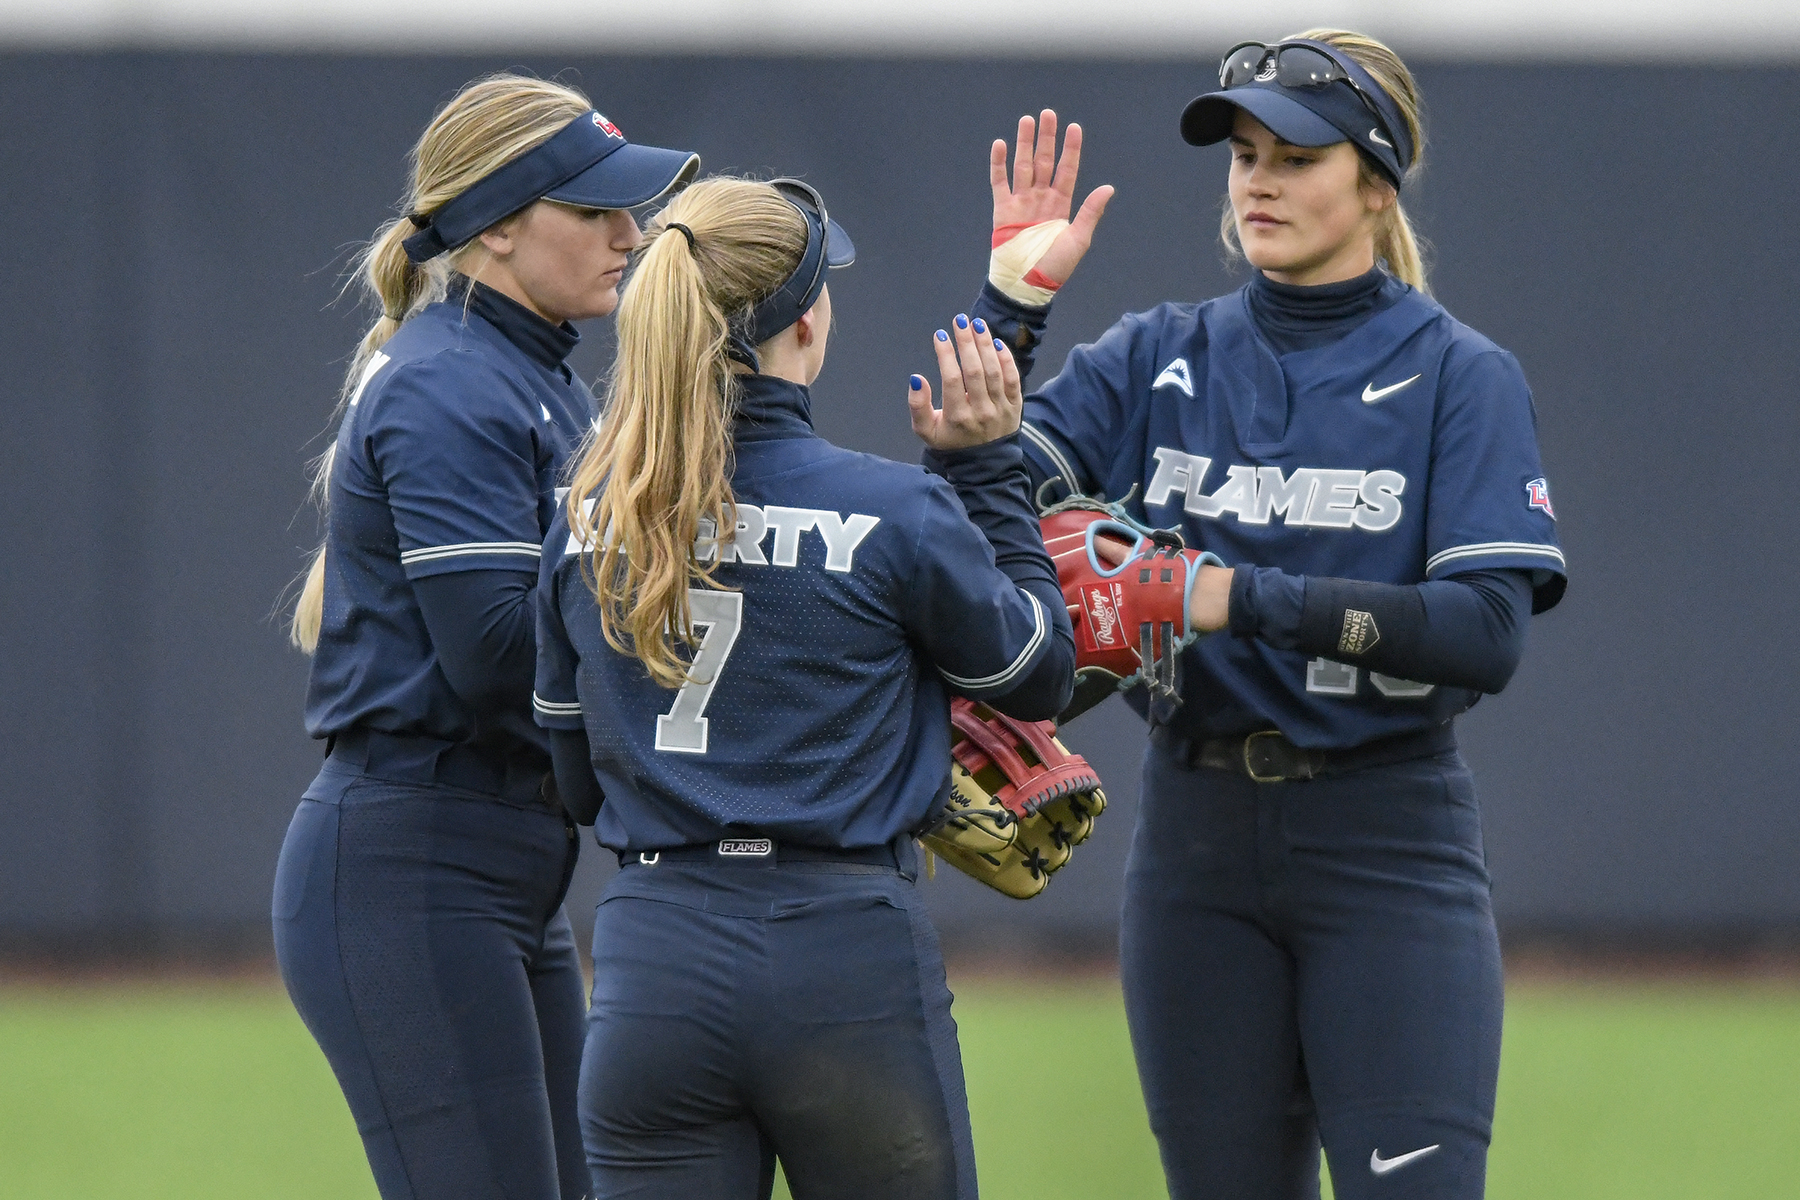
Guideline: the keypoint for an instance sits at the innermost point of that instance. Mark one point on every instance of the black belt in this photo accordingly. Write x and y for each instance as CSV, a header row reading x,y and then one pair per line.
x,y
1268,757
430,760
762,852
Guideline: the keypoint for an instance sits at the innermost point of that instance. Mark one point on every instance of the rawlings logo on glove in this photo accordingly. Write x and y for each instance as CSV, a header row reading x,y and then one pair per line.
x,y
1019,801
1131,620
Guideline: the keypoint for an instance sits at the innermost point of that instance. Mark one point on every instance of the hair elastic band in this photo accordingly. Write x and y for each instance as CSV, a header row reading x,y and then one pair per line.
x,y
687,233
419,220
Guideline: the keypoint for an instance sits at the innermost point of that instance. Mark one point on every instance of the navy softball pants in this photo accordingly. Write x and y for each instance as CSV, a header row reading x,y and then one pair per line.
x,y
742,1013
421,935
1309,962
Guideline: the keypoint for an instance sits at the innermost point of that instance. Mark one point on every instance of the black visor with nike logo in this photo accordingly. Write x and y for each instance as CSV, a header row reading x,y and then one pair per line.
x,y
1333,101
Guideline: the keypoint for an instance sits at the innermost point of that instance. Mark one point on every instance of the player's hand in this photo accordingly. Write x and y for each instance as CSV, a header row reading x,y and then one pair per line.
x,y
983,399
1209,604
1042,188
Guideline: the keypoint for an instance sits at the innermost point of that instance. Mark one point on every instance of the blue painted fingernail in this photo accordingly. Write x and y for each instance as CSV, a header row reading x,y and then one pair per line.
x,y
918,381
962,322
942,336
998,345
980,326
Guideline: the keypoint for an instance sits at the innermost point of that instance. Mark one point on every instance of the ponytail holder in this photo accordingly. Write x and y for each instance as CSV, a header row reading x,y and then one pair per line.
x,y
693,246
419,220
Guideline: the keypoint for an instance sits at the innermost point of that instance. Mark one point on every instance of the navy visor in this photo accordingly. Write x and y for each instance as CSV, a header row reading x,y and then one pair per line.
x,y
1316,97
827,245
587,163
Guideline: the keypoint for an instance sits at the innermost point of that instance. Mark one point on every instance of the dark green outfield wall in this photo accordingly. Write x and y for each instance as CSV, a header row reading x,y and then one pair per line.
x,y
174,228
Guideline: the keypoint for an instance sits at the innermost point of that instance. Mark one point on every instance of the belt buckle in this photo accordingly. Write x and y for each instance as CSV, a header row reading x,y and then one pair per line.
x,y
1249,767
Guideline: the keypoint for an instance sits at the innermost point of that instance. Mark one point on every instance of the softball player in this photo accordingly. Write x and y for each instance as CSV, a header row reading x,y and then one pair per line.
x,y
744,653
1308,949
418,899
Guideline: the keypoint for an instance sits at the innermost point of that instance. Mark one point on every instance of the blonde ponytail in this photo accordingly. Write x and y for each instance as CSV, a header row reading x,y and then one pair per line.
x,y
485,126
1397,245
651,494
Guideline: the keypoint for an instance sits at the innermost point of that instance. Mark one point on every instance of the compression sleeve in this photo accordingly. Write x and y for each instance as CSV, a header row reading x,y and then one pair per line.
x,y
986,604
1463,631
1020,326
580,790
482,627
555,697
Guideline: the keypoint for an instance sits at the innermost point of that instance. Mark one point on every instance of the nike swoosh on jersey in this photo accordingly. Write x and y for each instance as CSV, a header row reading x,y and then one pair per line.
x,y
1374,395
1381,1166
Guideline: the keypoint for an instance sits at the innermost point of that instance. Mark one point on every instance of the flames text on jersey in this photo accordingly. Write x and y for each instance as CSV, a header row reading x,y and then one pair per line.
x,y
1316,497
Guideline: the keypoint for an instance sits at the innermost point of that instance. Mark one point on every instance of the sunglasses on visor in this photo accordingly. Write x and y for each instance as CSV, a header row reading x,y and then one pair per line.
x,y
1292,66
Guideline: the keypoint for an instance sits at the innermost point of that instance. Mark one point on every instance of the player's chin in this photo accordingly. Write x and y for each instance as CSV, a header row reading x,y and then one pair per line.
x,y
601,301
1269,248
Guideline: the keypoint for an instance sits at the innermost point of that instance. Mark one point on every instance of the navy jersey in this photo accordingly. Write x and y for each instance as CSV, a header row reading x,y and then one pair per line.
x,y
858,590
1405,451
447,460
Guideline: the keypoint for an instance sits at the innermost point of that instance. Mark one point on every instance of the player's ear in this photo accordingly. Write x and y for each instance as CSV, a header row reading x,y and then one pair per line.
x,y
502,238
815,322
1378,194
806,329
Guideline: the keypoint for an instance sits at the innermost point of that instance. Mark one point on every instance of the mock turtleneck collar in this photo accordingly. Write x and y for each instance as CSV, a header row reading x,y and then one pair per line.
x,y
1295,318
541,341
770,407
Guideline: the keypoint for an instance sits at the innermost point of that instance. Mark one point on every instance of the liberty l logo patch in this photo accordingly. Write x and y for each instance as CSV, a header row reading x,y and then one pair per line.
x,y
1537,495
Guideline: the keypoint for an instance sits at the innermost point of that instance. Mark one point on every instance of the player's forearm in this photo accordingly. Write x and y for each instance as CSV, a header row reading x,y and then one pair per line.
x,y
573,763
1465,631
1020,326
483,630
991,483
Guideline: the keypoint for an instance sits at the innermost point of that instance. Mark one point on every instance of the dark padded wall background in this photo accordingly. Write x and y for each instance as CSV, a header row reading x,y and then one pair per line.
x,y
175,229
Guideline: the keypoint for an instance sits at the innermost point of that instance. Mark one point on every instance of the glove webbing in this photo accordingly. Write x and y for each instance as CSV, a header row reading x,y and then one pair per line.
x,y
1162,671
1028,786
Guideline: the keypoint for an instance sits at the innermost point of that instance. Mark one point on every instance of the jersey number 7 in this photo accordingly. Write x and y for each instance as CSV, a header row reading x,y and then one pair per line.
x,y
682,730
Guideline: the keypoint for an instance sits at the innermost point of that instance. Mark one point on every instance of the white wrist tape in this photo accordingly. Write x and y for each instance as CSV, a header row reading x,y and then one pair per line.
x,y
1012,267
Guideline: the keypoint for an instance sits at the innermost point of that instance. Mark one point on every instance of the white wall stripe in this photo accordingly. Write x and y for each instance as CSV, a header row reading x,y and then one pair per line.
x,y
1729,31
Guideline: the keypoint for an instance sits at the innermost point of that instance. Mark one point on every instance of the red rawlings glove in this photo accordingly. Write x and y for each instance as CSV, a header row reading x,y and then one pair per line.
x,y
1131,621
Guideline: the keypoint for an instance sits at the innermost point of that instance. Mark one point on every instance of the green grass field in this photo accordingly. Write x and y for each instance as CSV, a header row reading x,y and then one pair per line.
x,y
1640,1090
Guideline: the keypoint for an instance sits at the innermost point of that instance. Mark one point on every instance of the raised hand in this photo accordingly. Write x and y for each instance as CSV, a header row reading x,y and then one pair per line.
x,y
983,398
1042,188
